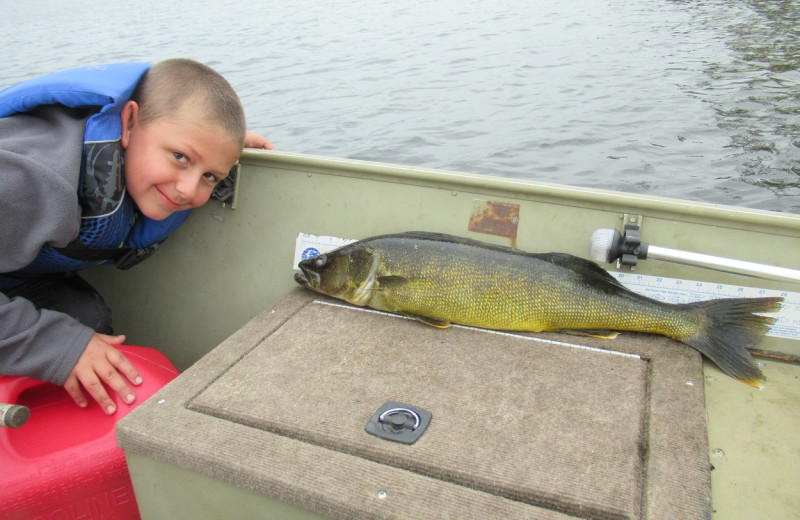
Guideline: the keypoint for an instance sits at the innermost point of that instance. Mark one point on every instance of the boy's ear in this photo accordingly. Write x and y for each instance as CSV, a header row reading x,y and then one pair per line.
x,y
129,116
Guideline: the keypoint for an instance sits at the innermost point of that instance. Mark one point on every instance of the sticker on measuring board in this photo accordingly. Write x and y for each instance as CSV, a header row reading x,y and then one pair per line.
x,y
309,246
676,290
670,290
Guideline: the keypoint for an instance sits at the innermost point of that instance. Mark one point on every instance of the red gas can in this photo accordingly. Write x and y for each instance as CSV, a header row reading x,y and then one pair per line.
x,y
64,463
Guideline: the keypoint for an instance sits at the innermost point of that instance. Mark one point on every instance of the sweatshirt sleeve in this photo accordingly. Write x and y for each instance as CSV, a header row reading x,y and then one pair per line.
x,y
41,344
40,154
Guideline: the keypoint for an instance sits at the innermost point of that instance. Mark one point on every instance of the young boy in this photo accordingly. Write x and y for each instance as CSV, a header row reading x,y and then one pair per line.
x,y
97,165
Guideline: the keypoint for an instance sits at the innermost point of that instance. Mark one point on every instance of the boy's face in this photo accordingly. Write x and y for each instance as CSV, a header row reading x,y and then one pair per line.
x,y
173,164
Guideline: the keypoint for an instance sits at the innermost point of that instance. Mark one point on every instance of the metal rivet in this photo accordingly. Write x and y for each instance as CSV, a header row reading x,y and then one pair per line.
x,y
161,401
382,495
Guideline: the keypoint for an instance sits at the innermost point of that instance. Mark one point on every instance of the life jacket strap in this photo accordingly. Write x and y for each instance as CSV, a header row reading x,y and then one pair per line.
x,y
124,257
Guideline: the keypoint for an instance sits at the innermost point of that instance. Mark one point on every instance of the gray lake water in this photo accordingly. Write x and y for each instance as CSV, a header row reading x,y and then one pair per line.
x,y
690,99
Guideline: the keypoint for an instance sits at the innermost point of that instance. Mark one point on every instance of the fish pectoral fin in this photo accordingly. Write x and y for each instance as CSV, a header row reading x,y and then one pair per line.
x,y
592,333
391,282
433,322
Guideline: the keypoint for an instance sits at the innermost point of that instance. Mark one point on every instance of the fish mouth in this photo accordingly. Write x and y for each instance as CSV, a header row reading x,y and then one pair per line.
x,y
302,280
308,279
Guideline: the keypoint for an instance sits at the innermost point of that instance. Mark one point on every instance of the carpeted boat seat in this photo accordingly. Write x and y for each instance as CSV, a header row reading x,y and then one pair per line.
x,y
547,426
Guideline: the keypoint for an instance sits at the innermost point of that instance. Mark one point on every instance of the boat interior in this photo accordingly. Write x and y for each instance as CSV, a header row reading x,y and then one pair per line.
x,y
264,363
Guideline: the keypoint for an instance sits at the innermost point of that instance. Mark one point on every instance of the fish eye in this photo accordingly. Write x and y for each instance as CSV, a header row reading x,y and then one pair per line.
x,y
320,261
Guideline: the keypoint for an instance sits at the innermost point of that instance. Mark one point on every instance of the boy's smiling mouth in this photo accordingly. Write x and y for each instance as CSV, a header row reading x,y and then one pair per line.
x,y
168,202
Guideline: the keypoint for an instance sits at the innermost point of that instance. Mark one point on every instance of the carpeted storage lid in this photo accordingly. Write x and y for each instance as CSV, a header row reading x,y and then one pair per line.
x,y
521,426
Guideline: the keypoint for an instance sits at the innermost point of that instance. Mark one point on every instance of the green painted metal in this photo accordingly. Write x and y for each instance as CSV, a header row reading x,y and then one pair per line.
x,y
167,491
227,265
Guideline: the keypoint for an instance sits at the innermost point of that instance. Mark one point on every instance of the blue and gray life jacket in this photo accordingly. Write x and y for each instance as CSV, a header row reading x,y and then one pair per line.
x,y
112,229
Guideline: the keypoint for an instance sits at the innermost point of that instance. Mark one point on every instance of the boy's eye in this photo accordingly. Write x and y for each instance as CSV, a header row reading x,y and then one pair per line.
x,y
180,157
210,177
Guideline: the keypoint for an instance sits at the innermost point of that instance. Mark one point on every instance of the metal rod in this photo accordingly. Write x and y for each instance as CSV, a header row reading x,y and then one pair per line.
x,y
728,265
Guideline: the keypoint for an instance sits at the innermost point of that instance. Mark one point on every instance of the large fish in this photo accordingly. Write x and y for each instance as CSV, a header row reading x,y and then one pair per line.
x,y
441,279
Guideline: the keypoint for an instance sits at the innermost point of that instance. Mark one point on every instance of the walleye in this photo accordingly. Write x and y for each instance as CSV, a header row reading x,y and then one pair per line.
x,y
442,279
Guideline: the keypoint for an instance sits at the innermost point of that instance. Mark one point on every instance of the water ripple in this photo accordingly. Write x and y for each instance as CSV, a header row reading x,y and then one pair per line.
x,y
693,99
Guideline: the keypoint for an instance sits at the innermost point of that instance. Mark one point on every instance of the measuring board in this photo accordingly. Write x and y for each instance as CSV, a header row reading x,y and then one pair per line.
x,y
676,290
670,290
309,246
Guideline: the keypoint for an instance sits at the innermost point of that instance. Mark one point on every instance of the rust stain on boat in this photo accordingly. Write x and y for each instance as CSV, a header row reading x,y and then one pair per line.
x,y
495,218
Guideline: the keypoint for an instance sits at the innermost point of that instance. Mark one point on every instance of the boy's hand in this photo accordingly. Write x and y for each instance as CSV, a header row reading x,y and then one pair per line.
x,y
102,364
252,140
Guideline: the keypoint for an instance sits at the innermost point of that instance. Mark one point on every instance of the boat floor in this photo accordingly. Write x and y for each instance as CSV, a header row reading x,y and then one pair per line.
x,y
523,426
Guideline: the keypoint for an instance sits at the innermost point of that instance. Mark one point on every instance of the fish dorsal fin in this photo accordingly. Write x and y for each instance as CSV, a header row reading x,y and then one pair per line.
x,y
452,239
586,269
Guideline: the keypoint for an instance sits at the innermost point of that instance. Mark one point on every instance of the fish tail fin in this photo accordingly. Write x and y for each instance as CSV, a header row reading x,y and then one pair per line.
x,y
729,327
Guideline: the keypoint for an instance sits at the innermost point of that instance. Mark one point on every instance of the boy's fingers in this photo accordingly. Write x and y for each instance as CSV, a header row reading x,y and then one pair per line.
x,y
94,386
121,363
106,373
100,366
112,340
73,388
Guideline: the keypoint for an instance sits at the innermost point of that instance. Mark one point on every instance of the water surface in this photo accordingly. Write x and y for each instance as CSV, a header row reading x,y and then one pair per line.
x,y
691,99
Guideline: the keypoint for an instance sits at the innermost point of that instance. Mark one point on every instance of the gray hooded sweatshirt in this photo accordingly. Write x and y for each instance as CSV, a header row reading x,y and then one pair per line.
x,y
40,155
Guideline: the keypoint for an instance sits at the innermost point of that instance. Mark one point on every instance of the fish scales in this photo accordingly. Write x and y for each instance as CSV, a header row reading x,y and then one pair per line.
x,y
441,279
494,289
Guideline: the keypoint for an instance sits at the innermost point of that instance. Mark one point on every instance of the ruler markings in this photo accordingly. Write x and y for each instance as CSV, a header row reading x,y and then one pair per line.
x,y
677,290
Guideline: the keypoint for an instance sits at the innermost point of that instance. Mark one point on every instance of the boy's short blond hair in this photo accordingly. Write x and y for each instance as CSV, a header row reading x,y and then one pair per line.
x,y
169,84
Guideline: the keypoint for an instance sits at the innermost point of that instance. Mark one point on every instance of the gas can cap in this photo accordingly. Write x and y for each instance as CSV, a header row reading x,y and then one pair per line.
x,y
399,422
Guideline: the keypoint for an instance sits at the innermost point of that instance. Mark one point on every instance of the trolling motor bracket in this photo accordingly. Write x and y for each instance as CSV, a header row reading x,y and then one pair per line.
x,y
632,248
627,247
